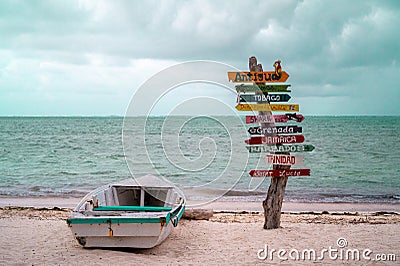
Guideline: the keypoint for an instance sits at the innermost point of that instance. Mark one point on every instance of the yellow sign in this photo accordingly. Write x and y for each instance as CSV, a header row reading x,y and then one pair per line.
x,y
285,107
253,107
268,107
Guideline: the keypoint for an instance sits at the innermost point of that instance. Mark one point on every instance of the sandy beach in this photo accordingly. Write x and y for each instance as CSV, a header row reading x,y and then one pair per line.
x,y
40,236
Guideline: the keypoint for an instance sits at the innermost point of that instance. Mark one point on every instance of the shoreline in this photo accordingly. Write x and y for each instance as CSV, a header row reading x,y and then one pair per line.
x,y
229,206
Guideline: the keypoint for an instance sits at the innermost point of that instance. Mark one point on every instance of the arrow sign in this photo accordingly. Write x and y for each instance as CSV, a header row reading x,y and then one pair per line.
x,y
283,159
275,140
254,107
262,98
267,107
280,148
262,88
261,77
280,173
269,118
286,117
275,130
284,107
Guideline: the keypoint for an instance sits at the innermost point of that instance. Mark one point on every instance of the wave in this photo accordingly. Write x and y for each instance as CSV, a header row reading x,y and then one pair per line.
x,y
115,156
220,194
343,198
103,172
68,173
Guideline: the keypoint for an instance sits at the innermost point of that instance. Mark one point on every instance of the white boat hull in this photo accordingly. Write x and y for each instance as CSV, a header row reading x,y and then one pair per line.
x,y
127,235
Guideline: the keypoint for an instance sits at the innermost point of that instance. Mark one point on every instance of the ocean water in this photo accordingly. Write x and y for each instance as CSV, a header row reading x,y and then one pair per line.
x,y
356,157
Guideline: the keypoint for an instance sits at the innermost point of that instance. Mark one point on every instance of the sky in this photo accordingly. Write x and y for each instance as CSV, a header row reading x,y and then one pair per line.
x,y
77,57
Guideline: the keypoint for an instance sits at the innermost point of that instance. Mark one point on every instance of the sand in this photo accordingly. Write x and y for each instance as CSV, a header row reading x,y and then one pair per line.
x,y
34,236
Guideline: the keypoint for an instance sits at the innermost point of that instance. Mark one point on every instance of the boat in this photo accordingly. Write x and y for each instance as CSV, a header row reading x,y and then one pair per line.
x,y
135,213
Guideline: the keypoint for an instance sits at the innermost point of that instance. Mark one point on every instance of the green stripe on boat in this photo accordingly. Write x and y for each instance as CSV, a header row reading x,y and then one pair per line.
x,y
178,217
132,208
118,220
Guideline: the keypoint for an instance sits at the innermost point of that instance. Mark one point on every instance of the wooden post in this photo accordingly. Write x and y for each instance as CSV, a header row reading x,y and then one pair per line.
x,y
272,205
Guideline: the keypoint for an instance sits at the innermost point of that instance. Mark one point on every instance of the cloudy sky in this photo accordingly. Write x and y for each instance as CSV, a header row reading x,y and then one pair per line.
x,y
90,57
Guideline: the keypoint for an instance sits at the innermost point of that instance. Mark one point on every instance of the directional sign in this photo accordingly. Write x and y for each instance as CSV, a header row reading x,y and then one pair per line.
x,y
280,173
286,117
262,98
269,118
284,107
268,107
262,88
275,140
281,159
261,77
275,130
253,107
280,148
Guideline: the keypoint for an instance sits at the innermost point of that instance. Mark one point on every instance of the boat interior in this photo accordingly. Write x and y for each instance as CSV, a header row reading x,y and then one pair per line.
x,y
133,198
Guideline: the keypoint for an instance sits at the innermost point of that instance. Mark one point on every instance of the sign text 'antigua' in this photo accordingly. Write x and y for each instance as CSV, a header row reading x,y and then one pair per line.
x,y
260,77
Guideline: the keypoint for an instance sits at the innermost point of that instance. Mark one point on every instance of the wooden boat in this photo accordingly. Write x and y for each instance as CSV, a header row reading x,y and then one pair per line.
x,y
137,213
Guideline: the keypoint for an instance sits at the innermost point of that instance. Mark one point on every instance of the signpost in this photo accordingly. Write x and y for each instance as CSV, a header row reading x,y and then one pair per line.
x,y
280,148
275,130
262,88
267,107
274,137
268,140
251,119
257,77
262,98
280,173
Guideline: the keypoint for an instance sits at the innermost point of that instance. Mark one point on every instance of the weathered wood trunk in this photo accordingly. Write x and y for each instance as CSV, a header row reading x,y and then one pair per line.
x,y
197,214
272,205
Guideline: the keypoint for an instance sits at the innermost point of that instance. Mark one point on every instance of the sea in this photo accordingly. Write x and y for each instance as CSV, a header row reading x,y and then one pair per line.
x,y
356,158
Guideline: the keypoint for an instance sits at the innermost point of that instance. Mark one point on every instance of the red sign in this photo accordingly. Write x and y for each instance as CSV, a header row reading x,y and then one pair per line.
x,y
280,173
269,118
286,117
275,139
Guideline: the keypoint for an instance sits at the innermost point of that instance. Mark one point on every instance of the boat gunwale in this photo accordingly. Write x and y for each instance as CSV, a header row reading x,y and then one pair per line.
x,y
118,220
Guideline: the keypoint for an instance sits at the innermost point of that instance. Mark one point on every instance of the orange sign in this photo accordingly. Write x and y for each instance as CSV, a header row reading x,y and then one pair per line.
x,y
285,107
258,77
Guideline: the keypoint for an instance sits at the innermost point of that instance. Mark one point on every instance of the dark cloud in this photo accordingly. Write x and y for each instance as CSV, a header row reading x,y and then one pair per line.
x,y
329,48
